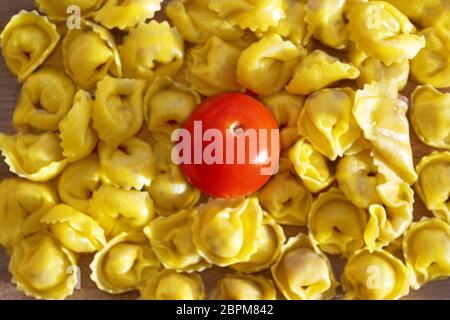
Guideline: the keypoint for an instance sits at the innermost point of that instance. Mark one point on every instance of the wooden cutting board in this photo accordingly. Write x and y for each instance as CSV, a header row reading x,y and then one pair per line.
x,y
9,91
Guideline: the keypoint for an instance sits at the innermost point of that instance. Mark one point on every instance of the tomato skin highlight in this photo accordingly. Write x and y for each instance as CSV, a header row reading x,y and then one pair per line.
x,y
232,180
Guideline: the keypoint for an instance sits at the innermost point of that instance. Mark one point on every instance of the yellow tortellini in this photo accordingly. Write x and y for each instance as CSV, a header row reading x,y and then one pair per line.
x,y
78,182
211,68
244,287
430,116
432,65
266,66
119,210
226,230
382,117
319,70
372,69
172,241
303,272
336,224
118,112
286,109
74,230
375,276
382,32
327,121
45,99
311,166
27,41
130,165
126,14
58,10
124,264
270,240
36,157
22,205
197,23
170,285
167,105
433,185
42,268
256,15
426,247
153,49
78,137
90,54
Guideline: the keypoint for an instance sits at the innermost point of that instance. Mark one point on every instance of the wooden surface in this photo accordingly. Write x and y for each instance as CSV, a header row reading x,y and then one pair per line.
x,y
9,90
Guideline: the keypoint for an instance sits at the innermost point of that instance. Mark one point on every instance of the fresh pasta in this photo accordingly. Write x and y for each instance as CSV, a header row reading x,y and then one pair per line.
x,y
244,287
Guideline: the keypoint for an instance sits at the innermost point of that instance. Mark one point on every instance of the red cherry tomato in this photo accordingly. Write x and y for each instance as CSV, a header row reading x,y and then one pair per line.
x,y
232,115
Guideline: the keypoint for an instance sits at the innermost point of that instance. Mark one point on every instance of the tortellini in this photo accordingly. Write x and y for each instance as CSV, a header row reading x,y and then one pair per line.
x,y
130,165
78,182
170,285
211,68
286,109
126,14
74,230
303,272
327,121
58,10
426,247
43,268
167,105
319,70
226,231
256,15
119,210
433,185
172,241
45,99
36,157
153,49
244,287
22,205
375,276
124,264
197,23
430,116
431,65
118,112
382,32
382,117
90,54
27,41
266,66
270,240
372,70
78,137
311,166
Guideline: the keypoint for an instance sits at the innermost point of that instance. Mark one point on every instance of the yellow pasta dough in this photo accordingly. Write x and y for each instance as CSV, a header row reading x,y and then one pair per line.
x,y
90,54
124,264
375,276
433,185
426,247
430,116
319,70
126,14
152,49
226,231
303,272
118,112
74,230
59,10
27,41
42,268
244,287
22,205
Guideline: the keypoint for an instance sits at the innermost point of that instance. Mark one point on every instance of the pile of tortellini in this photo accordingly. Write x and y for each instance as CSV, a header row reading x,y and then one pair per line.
x,y
99,102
